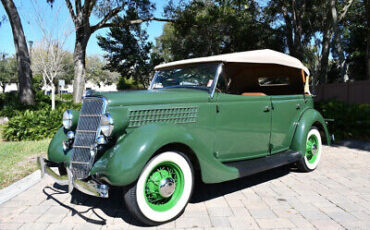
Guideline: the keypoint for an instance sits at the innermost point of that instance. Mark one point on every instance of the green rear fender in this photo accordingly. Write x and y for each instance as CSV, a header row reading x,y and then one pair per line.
x,y
309,118
122,164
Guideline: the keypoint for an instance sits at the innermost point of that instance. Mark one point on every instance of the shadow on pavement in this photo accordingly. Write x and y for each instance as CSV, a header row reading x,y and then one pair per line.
x,y
114,206
353,144
203,192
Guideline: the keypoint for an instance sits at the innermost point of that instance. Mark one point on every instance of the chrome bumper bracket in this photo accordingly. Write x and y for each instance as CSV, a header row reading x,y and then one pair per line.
x,y
91,187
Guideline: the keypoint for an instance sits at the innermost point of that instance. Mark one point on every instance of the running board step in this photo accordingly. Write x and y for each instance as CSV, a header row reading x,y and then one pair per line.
x,y
249,167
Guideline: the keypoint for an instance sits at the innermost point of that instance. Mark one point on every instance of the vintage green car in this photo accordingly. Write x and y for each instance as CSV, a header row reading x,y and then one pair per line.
x,y
220,118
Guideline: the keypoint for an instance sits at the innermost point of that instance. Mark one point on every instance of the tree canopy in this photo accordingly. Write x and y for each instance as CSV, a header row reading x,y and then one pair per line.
x,y
96,72
129,52
8,70
203,28
328,36
131,11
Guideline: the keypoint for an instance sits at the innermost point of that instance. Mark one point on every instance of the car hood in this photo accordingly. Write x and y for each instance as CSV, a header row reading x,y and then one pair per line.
x,y
158,96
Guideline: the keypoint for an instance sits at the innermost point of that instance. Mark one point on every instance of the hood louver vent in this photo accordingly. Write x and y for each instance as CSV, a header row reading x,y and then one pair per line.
x,y
177,115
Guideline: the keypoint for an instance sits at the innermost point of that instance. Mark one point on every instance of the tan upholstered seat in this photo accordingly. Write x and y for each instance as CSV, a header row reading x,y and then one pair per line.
x,y
253,94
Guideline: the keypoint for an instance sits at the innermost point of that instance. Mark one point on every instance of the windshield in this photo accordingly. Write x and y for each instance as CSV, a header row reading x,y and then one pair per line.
x,y
194,76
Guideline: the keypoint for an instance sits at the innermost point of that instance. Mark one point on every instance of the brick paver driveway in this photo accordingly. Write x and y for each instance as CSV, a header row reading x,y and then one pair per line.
x,y
335,196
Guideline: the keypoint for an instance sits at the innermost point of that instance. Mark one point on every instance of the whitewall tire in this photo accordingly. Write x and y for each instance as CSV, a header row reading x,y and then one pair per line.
x,y
313,151
163,189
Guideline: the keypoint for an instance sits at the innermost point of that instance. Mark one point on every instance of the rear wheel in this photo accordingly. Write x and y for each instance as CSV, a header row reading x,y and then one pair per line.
x,y
313,151
163,189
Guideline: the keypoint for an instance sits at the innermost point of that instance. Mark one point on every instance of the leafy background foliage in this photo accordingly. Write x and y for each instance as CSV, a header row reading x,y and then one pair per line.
x,y
129,52
32,122
208,27
350,121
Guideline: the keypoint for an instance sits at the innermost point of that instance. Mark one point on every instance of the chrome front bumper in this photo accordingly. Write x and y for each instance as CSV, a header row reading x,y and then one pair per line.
x,y
91,187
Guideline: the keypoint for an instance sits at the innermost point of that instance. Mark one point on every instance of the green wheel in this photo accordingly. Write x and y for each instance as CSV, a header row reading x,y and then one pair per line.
x,y
162,190
313,151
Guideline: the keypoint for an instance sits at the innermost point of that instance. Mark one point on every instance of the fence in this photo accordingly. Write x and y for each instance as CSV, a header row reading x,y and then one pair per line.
x,y
357,92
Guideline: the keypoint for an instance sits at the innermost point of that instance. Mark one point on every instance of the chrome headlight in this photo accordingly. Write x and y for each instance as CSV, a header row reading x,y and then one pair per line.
x,y
106,125
67,119
101,140
71,135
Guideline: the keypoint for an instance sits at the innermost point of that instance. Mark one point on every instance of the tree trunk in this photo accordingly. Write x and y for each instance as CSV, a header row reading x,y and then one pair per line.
x,y
324,61
79,59
3,86
367,6
25,92
52,96
326,40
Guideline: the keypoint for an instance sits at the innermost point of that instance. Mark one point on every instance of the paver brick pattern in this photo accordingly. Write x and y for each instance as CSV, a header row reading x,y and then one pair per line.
x,y
335,196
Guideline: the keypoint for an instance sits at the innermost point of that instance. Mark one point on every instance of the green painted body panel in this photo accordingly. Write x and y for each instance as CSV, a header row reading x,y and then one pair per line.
x,y
223,128
151,97
242,127
122,164
286,111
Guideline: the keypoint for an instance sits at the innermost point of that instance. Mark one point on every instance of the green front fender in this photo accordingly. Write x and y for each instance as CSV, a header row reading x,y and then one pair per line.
x,y
309,118
122,164
55,150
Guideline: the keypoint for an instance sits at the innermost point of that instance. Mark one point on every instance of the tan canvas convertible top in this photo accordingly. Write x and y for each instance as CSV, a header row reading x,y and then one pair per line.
x,y
265,56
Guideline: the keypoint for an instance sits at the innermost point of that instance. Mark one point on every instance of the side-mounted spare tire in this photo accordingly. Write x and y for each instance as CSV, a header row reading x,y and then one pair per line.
x,y
312,155
163,189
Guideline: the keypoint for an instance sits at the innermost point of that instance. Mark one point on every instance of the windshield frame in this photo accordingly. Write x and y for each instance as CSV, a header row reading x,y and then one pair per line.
x,y
211,90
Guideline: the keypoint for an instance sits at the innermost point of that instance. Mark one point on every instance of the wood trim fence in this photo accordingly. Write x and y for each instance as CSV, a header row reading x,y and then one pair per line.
x,y
357,92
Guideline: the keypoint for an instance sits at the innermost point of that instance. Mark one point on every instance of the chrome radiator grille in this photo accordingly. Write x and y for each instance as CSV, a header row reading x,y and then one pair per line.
x,y
87,131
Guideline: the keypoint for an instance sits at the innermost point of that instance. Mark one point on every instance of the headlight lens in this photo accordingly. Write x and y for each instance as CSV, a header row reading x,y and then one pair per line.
x,y
106,125
101,140
67,119
71,135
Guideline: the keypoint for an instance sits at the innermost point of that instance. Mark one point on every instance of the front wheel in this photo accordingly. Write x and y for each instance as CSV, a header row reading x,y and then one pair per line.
x,y
313,151
162,190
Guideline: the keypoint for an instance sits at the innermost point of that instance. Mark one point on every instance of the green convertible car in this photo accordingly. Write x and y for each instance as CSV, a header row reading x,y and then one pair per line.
x,y
220,118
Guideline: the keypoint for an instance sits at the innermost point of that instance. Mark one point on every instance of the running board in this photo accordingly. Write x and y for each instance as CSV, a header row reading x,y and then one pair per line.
x,y
249,167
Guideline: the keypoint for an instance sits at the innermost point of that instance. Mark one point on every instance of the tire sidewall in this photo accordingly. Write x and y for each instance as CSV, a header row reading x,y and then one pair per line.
x,y
312,166
186,168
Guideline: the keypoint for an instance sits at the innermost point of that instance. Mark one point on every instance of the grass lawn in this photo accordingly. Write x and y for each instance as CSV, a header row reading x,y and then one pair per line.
x,y
18,159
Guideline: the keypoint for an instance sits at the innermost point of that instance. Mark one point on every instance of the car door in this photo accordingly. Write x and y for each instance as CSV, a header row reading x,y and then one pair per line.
x,y
285,115
242,126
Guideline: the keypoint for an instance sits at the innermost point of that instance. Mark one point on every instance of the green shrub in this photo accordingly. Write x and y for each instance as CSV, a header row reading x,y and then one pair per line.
x,y
37,82
350,121
9,105
35,124
8,99
67,97
128,84
124,84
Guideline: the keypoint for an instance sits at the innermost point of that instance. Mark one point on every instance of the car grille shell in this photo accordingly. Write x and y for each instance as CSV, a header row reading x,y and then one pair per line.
x,y
88,129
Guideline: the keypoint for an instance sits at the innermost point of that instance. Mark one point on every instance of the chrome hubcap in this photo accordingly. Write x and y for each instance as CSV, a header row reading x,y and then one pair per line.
x,y
314,149
167,187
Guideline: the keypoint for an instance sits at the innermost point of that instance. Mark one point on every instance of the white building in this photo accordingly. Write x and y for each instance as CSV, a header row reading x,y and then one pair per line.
x,y
10,87
67,88
88,86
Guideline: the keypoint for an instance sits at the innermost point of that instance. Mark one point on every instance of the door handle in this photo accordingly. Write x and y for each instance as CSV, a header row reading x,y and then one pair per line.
x,y
266,109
